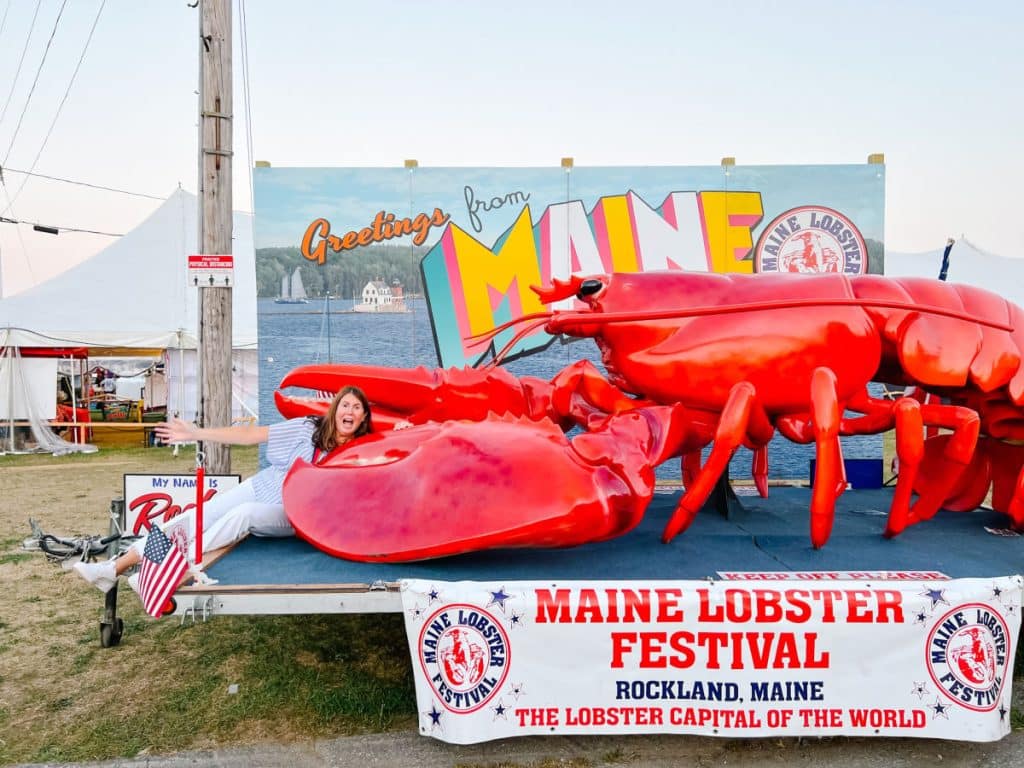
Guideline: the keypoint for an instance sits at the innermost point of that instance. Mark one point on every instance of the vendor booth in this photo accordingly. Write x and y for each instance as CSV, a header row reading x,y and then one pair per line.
x,y
127,311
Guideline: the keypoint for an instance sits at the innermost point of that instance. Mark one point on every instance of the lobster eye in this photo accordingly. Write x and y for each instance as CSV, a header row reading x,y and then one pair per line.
x,y
589,288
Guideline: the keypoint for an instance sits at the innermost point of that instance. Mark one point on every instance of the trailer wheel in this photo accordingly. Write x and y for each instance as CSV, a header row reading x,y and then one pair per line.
x,y
110,632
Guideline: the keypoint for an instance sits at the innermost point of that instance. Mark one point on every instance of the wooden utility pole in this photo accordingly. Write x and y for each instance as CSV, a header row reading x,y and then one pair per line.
x,y
215,127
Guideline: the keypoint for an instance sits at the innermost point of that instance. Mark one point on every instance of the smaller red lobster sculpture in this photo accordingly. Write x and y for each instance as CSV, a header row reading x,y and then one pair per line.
x,y
693,359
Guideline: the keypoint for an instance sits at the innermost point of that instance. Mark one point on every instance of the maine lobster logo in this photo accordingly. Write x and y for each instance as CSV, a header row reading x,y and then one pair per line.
x,y
811,238
464,654
967,656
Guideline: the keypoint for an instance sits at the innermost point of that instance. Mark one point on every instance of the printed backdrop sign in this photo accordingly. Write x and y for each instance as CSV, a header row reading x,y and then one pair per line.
x,y
931,659
475,239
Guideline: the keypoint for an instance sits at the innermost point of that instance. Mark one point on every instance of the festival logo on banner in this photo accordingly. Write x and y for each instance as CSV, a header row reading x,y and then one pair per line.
x,y
464,653
968,655
811,238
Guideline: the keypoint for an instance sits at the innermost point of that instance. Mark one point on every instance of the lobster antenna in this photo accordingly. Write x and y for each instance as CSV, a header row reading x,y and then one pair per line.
x,y
758,306
479,338
520,334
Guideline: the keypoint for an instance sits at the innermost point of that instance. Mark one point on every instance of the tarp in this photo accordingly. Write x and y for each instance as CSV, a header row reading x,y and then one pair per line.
x,y
133,293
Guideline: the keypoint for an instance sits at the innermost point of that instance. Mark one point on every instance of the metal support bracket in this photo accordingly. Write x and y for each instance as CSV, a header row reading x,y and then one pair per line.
x,y
201,606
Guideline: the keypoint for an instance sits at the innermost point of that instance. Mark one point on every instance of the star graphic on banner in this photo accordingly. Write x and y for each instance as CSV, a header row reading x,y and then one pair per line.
x,y
517,690
997,592
500,711
921,618
416,613
516,619
1002,711
1009,610
435,717
433,596
498,598
936,596
919,690
939,709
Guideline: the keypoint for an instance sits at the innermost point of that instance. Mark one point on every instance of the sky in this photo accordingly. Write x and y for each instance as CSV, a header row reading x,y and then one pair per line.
x,y
934,86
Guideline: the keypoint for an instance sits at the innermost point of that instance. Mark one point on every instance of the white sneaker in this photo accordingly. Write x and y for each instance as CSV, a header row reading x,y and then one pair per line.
x,y
200,576
103,575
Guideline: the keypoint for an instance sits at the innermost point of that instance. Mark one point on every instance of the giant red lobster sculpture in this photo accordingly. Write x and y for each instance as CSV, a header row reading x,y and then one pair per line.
x,y
715,359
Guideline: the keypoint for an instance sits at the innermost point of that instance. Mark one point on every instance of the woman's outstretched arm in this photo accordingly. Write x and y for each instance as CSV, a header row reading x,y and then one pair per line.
x,y
178,431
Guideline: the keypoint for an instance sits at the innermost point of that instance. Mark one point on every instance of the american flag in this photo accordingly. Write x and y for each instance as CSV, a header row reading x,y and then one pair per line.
x,y
163,566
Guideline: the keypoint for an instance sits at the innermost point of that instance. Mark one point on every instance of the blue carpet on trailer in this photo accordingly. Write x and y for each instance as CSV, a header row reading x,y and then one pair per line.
x,y
766,535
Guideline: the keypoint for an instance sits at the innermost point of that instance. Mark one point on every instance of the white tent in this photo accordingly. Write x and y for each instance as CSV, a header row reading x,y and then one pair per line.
x,y
133,296
968,264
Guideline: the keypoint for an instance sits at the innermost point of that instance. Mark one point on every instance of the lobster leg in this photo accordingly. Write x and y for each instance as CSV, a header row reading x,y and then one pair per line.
x,y
1015,509
909,451
741,415
830,475
944,471
581,392
759,470
690,467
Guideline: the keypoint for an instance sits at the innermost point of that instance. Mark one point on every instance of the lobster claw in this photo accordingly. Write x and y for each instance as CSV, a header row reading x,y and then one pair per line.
x,y
420,394
436,490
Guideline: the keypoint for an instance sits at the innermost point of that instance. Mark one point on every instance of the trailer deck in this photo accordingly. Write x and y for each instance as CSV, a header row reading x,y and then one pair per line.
x,y
290,576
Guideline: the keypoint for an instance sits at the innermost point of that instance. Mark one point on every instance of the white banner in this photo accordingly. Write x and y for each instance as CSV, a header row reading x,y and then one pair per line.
x,y
931,659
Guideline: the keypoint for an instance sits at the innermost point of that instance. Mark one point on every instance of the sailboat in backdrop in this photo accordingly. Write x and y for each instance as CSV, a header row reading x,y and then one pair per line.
x,y
292,289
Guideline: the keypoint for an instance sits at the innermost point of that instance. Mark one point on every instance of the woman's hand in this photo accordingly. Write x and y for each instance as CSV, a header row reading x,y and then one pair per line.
x,y
403,424
177,431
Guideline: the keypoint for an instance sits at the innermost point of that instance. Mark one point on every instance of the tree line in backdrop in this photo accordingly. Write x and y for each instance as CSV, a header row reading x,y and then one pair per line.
x,y
344,274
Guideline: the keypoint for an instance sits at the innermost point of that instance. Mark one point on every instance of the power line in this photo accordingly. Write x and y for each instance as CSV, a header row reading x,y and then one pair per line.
x,y
3,21
6,169
74,74
53,229
17,74
35,81
21,240
244,37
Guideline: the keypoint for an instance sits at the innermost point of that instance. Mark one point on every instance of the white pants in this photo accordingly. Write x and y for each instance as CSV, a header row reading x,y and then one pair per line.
x,y
227,518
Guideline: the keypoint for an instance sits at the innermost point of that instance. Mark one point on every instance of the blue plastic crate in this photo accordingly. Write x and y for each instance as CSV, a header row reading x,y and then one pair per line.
x,y
860,473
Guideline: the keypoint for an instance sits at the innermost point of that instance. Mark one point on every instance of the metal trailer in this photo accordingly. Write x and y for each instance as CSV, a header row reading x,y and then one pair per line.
x,y
261,576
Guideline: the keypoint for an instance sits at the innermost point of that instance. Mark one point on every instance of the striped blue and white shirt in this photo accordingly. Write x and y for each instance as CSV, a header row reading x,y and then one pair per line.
x,y
288,441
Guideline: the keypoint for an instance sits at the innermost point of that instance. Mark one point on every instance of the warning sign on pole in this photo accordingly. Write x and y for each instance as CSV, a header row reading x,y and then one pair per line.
x,y
211,270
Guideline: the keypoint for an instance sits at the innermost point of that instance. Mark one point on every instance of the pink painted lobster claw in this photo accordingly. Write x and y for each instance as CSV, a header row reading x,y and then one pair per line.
x,y
436,490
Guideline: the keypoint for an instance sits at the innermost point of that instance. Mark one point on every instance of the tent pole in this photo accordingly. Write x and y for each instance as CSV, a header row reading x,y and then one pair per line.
x,y
74,399
9,356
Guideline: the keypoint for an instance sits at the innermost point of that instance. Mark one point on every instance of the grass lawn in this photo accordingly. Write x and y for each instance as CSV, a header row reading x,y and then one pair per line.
x,y
166,686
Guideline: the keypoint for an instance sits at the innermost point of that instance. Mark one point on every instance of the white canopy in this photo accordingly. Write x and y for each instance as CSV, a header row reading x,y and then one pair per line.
x,y
133,293
968,264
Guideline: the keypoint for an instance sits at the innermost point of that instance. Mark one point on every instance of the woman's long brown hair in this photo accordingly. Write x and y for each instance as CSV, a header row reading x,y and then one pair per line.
x,y
325,437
